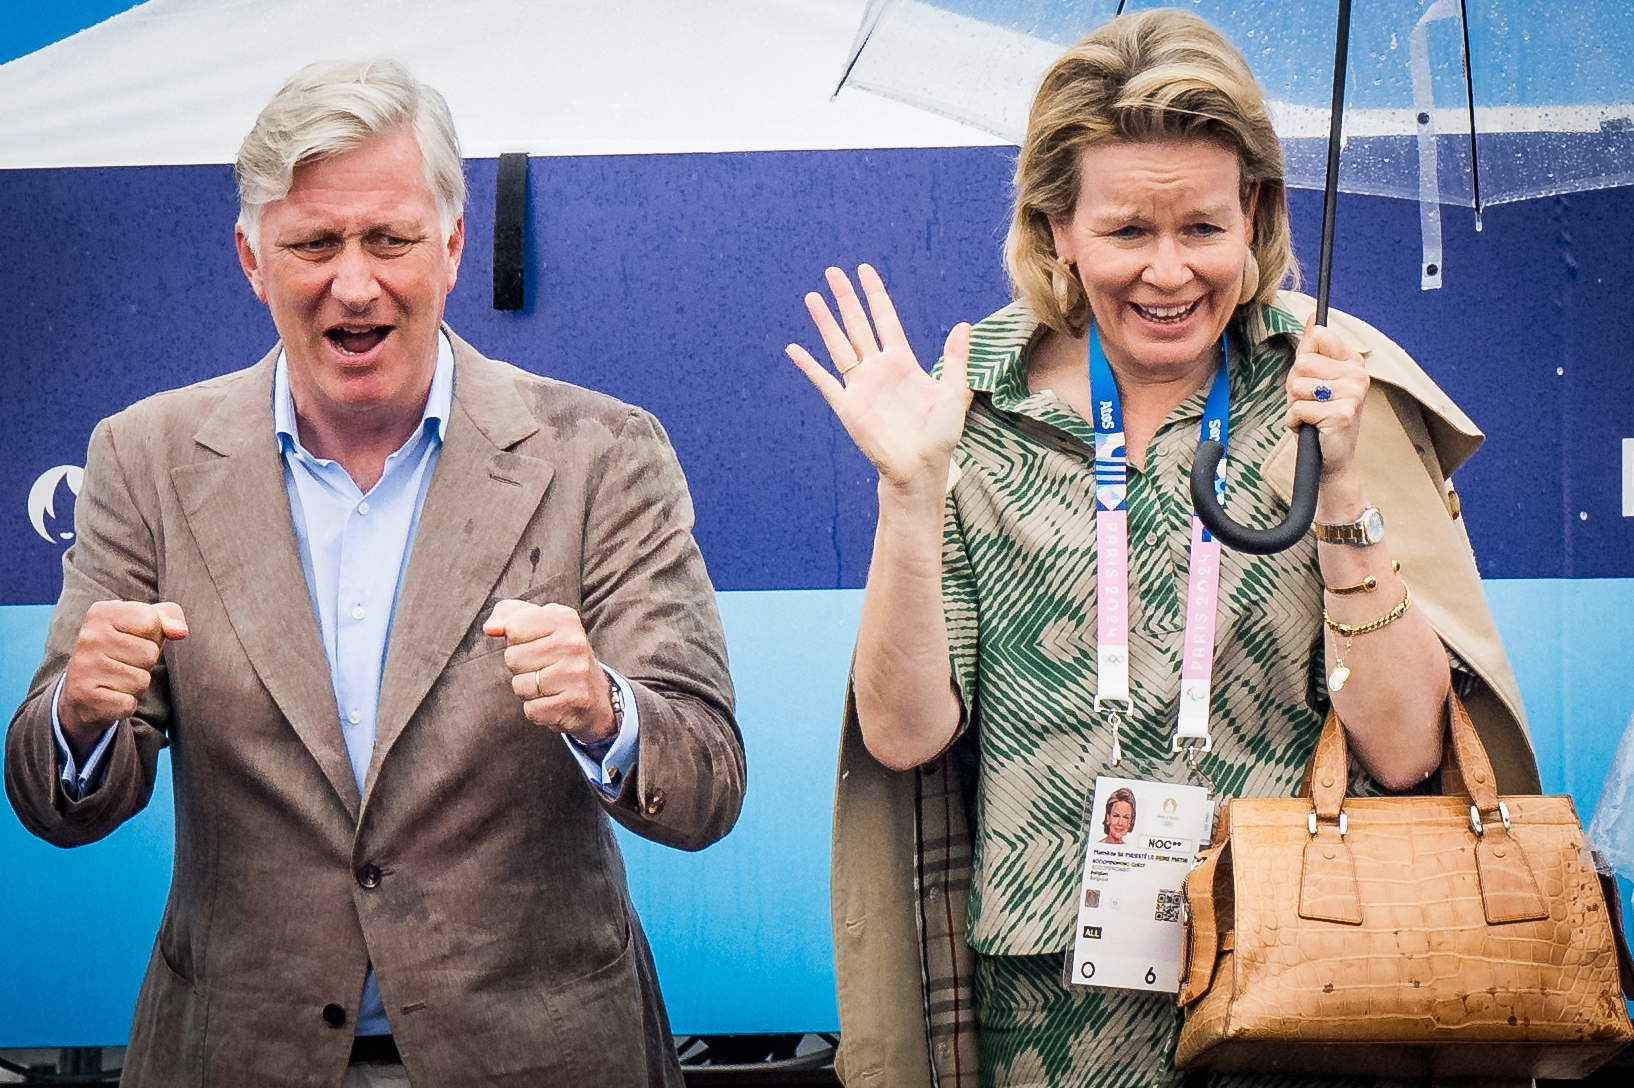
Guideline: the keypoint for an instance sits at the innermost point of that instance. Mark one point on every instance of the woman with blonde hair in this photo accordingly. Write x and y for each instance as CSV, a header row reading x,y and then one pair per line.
x,y
1148,248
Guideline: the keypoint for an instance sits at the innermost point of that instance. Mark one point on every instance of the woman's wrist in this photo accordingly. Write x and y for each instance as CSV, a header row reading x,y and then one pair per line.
x,y
925,490
1341,499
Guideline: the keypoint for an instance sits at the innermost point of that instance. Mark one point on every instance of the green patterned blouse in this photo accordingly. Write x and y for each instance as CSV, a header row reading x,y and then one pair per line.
x,y
1019,592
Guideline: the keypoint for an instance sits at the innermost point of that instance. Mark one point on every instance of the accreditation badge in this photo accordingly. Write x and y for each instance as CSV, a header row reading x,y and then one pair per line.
x,y
1144,837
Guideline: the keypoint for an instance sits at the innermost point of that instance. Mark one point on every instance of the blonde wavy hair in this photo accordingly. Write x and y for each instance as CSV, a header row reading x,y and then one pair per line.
x,y
1152,75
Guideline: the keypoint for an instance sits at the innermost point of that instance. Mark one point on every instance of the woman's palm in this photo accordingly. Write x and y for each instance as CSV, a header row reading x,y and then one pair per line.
x,y
903,420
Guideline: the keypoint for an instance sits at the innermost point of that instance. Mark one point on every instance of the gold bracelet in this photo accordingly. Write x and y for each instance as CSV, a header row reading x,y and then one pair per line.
x,y
1341,671
1366,585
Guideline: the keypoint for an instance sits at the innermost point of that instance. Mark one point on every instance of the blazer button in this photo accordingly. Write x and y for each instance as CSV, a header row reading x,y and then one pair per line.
x,y
334,1016
368,875
655,802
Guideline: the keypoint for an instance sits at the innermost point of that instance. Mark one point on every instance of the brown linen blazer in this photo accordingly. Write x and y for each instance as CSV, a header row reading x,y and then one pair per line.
x,y
501,931
901,845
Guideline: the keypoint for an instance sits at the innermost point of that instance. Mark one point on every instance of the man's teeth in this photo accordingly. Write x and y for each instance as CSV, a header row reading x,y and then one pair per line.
x,y
357,342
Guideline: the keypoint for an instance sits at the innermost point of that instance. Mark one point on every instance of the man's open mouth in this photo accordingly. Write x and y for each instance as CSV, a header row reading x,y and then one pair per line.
x,y
358,341
1167,314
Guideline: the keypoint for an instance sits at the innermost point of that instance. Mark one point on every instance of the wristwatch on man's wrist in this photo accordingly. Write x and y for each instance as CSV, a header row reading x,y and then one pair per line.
x,y
1366,530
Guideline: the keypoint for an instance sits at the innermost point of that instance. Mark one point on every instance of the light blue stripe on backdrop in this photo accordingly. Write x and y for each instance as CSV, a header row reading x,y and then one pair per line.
x,y
740,931
1571,642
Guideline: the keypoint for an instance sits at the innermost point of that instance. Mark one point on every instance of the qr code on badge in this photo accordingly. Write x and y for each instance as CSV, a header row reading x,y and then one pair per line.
x,y
1168,906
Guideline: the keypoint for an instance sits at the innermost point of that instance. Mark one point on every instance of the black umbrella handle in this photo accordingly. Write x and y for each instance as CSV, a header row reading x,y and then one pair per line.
x,y
1301,511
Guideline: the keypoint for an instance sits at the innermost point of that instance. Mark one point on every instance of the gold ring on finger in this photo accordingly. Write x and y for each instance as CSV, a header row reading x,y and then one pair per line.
x,y
538,689
855,363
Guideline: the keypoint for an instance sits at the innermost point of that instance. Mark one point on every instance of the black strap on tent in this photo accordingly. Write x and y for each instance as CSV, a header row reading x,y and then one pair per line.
x,y
510,218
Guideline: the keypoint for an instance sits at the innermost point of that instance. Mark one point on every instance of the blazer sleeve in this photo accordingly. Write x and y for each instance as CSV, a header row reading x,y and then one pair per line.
x,y
112,558
649,610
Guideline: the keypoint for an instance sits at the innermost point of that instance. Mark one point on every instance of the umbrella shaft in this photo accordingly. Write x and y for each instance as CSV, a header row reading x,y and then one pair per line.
x,y
1330,189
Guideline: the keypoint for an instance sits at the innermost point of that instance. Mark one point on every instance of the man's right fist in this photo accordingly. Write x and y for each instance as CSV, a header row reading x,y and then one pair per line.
x,y
112,664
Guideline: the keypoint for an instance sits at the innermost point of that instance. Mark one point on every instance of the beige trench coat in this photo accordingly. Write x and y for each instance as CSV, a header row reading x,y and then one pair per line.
x,y
901,848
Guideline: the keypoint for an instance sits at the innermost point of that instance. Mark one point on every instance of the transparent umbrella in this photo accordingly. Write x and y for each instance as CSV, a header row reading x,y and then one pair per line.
x,y
1447,102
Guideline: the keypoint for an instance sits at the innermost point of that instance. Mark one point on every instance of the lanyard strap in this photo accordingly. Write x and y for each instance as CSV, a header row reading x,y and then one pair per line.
x,y
1112,564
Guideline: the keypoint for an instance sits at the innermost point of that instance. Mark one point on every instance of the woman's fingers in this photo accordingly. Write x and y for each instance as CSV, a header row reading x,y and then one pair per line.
x,y
956,359
1321,340
1326,390
1327,386
840,349
857,326
880,305
827,384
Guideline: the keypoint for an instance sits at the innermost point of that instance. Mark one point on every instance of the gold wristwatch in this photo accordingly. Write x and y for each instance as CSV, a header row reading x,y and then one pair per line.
x,y
1366,530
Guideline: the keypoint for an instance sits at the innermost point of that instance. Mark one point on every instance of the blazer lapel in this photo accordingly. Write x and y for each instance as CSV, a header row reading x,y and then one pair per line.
x,y
481,498
237,507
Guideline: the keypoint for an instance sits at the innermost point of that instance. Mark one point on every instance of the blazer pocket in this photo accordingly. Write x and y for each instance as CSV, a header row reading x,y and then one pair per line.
x,y
600,1017
166,1043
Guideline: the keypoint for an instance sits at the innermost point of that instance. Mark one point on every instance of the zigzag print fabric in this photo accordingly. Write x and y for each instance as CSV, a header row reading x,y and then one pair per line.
x,y
1019,589
1019,593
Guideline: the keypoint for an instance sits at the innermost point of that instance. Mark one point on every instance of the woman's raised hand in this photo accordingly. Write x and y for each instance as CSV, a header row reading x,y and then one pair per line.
x,y
902,419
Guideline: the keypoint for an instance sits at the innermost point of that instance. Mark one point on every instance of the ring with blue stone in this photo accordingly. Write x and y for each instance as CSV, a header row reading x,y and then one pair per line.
x,y
1323,391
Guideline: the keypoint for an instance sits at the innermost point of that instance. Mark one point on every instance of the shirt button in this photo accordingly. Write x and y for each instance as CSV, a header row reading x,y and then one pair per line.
x,y
334,1016
1151,540
1162,448
354,717
357,613
363,507
368,875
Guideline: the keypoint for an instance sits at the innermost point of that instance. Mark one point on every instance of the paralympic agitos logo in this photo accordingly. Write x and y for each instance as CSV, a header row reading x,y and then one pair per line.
x,y
42,503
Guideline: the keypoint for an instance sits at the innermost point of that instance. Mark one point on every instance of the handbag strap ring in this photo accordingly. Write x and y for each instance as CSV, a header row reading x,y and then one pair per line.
x,y
1344,822
1475,824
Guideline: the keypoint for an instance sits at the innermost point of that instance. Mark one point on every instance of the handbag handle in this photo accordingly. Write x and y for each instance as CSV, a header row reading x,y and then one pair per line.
x,y
1465,753
1509,890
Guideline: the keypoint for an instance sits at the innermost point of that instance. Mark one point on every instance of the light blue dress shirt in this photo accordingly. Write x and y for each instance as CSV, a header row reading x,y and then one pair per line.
x,y
355,549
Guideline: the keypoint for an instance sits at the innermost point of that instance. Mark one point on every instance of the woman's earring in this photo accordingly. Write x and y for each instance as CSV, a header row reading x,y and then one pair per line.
x,y
1251,279
1061,278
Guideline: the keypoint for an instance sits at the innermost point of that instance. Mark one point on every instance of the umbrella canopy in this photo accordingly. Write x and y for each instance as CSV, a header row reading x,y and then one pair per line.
x,y
1458,102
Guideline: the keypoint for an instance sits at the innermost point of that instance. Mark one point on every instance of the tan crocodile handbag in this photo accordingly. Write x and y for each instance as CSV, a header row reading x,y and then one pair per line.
x,y
1461,935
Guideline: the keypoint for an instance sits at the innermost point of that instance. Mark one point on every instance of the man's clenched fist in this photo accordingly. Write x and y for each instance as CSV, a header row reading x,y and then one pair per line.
x,y
553,671
112,664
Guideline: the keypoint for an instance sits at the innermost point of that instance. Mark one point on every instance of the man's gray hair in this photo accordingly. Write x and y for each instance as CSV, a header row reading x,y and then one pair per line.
x,y
335,106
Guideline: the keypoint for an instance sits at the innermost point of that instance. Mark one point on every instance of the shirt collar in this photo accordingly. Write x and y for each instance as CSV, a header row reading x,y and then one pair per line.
x,y
433,420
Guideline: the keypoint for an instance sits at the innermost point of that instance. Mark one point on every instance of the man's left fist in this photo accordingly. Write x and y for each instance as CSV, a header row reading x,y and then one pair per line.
x,y
560,682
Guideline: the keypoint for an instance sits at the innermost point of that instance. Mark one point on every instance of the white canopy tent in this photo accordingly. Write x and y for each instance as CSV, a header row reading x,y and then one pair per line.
x,y
180,81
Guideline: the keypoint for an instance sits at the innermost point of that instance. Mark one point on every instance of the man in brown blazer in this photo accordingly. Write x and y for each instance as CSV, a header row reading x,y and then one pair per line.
x,y
412,623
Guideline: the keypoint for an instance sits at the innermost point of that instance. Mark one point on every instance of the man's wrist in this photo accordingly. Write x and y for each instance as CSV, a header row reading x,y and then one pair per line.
x,y
81,738
607,717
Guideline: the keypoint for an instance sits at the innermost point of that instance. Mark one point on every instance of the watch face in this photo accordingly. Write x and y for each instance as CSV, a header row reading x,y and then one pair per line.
x,y
1373,525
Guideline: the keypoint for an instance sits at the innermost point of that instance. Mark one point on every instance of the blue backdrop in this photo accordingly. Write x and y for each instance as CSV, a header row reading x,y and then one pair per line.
x,y
674,282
